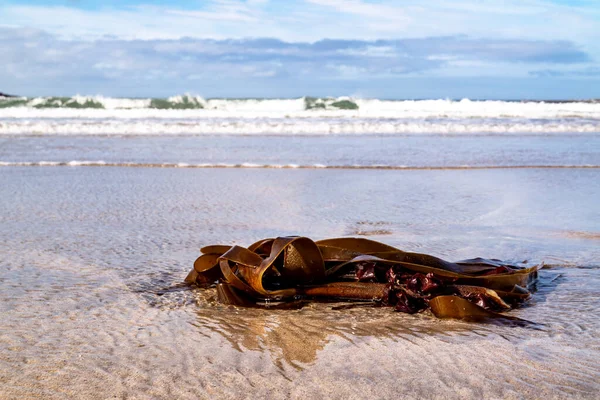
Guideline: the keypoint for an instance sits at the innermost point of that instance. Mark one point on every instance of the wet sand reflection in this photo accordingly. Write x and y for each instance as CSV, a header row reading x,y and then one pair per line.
x,y
296,337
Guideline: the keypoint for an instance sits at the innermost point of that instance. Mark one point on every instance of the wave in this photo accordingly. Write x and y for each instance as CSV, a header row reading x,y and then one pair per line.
x,y
186,106
185,102
76,163
292,126
194,115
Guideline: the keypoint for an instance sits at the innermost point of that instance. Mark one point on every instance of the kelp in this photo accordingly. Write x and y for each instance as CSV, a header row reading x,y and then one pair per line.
x,y
285,272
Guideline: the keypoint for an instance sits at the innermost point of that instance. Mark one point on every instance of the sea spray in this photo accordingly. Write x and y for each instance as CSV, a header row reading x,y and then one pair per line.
x,y
194,115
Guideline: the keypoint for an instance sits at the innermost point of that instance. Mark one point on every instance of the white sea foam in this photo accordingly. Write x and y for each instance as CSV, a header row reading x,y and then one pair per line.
x,y
81,115
244,165
300,126
122,108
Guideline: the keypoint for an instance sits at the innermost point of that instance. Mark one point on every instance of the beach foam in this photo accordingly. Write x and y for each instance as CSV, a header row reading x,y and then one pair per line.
x,y
251,165
309,106
193,115
122,124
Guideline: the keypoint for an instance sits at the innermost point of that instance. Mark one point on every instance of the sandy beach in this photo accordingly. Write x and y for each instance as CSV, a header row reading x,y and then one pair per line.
x,y
93,307
450,151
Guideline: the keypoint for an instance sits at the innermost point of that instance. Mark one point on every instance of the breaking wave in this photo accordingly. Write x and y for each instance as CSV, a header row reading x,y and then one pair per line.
x,y
185,102
19,106
194,115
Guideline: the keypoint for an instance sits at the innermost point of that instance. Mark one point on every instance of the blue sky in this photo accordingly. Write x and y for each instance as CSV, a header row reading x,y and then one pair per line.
x,y
538,49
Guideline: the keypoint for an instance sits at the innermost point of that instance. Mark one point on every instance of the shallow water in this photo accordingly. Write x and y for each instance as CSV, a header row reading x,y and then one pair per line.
x,y
400,150
92,260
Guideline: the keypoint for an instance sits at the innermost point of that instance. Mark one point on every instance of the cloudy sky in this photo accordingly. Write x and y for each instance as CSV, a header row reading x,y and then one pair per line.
x,y
266,48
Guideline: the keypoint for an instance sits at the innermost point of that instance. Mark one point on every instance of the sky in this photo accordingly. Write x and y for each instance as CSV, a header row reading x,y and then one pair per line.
x,y
401,49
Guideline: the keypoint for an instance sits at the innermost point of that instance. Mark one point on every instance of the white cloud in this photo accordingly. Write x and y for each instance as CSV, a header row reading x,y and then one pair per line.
x,y
218,43
31,55
380,11
372,51
312,20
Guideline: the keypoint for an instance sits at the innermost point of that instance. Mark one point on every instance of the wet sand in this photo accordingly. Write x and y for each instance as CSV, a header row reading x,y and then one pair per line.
x,y
91,262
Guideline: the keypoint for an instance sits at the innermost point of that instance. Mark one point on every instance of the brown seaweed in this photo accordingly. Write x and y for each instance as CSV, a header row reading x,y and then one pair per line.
x,y
288,269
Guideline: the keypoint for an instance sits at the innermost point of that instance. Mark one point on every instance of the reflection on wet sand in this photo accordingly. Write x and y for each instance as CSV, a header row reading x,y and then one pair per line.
x,y
279,334
296,337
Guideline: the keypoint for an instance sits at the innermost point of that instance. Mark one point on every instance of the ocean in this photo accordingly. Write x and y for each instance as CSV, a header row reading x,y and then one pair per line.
x,y
193,115
105,203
